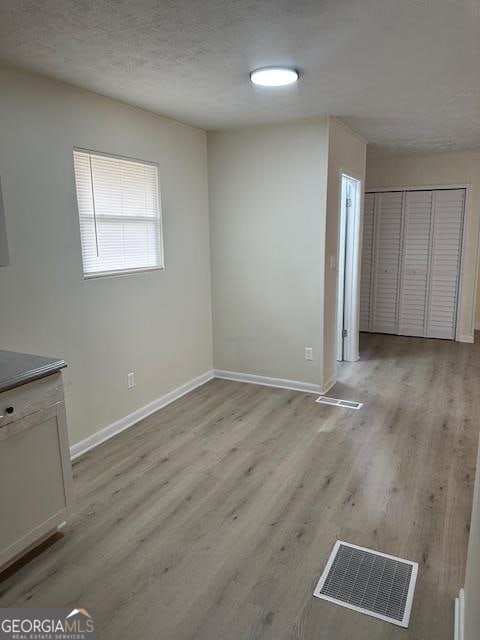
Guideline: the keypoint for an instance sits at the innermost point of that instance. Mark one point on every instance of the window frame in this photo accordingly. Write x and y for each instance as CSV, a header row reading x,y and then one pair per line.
x,y
121,272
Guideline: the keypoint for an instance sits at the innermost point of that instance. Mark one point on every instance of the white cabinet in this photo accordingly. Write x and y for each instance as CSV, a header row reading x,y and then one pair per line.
x,y
35,468
412,245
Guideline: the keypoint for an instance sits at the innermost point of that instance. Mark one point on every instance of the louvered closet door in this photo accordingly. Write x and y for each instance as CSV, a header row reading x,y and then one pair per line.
x,y
415,263
388,231
448,207
367,262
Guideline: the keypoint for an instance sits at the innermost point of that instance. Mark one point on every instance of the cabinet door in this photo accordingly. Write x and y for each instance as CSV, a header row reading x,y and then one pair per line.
x,y
367,262
448,211
388,236
415,263
35,478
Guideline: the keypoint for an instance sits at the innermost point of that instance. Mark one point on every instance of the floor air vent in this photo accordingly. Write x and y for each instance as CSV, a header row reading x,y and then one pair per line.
x,y
347,404
370,582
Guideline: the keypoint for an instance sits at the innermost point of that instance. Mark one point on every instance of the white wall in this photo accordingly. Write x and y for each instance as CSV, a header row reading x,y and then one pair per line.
x,y
441,169
472,574
156,324
346,154
267,190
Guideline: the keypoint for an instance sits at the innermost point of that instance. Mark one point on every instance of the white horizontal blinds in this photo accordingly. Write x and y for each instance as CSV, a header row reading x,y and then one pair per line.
x,y
120,222
445,262
415,263
388,235
367,262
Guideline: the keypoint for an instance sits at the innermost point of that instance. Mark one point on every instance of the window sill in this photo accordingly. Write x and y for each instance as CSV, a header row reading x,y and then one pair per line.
x,y
123,272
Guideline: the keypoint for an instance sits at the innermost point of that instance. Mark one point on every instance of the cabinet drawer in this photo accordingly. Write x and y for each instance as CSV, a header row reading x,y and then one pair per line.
x,y
30,398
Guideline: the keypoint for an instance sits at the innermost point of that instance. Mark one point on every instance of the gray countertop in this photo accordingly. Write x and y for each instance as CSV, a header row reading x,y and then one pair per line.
x,y
20,368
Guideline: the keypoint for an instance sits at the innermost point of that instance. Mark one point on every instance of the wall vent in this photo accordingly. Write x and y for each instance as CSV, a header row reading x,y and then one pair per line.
x,y
369,582
337,402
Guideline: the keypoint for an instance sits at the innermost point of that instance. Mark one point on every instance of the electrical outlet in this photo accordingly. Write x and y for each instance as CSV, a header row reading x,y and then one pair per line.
x,y
308,353
131,380
333,262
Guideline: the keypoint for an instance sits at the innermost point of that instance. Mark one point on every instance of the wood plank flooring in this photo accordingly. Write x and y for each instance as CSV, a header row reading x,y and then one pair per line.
x,y
213,518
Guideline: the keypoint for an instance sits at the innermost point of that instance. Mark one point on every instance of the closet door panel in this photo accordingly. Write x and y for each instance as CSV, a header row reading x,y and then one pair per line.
x,y
388,231
367,262
448,209
415,263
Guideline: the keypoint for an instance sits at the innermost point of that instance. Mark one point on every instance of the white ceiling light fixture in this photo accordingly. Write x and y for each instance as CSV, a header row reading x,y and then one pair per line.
x,y
274,76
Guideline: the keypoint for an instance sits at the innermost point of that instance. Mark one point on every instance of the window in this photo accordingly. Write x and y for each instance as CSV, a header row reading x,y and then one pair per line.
x,y
120,217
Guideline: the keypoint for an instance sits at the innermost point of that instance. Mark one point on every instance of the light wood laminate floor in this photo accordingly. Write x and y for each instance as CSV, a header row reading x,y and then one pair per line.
x,y
213,518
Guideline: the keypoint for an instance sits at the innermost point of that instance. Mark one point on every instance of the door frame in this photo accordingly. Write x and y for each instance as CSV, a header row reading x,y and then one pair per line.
x,y
467,219
341,268
351,226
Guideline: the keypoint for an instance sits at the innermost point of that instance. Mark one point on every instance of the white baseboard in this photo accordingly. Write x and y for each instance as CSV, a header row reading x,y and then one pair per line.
x,y
459,616
329,384
113,429
106,433
468,339
281,383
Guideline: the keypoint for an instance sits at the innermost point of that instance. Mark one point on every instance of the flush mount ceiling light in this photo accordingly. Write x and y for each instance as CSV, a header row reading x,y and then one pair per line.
x,y
274,76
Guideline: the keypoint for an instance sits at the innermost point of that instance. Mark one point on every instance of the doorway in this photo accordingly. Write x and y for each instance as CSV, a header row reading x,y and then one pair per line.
x,y
348,270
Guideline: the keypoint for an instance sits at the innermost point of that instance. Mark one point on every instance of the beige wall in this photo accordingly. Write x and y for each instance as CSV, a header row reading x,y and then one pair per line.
x,y
441,169
346,154
156,324
267,190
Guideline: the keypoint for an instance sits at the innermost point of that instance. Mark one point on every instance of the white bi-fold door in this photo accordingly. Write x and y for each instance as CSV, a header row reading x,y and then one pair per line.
x,y
446,255
387,261
367,262
413,284
412,245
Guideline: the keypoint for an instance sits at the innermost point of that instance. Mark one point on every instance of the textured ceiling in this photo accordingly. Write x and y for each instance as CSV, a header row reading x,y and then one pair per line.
x,y
403,73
